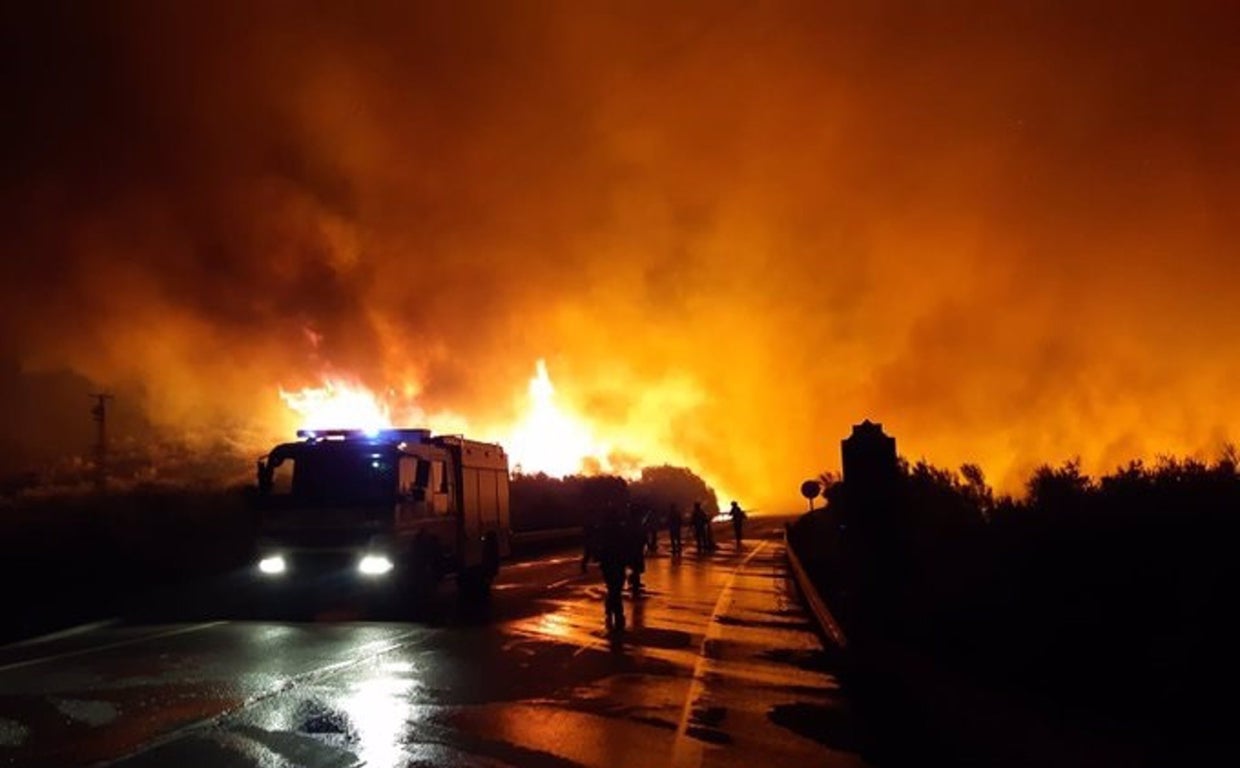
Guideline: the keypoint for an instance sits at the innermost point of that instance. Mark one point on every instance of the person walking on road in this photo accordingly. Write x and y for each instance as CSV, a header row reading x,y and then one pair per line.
x,y
611,547
635,539
738,522
652,524
674,523
701,527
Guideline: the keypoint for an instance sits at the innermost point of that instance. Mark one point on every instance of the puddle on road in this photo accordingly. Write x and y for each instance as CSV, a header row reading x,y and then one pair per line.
x,y
641,698
652,637
712,649
710,717
368,716
93,713
705,722
315,717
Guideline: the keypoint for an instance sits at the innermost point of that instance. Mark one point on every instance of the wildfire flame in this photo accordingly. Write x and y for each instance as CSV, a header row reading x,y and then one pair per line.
x,y
338,404
549,439
546,437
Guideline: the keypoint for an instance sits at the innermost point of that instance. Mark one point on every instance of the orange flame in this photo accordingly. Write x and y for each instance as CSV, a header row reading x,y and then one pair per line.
x,y
545,437
338,404
549,439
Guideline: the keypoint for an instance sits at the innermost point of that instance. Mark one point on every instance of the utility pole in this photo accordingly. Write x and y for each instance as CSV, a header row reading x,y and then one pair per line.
x,y
100,414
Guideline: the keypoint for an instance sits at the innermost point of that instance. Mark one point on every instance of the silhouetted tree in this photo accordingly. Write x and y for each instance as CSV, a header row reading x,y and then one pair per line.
x,y
539,501
659,487
1058,489
976,489
827,480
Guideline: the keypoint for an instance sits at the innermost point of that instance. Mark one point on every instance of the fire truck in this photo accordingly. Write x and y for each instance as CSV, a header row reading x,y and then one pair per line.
x,y
397,507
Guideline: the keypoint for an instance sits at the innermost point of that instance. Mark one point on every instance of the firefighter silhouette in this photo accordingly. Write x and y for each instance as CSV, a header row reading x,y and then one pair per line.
x,y
738,522
652,524
611,545
701,528
674,522
636,545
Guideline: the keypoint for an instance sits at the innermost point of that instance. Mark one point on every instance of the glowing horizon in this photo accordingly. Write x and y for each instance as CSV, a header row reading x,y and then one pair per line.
x,y
730,238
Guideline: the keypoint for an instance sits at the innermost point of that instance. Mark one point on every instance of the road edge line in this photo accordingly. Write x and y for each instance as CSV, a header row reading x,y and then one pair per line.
x,y
679,756
59,634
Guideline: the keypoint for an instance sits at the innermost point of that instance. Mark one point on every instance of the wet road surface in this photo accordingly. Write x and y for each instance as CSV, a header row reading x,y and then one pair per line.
x,y
719,668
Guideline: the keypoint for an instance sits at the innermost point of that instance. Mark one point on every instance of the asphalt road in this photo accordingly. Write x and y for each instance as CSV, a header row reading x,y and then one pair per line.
x,y
719,668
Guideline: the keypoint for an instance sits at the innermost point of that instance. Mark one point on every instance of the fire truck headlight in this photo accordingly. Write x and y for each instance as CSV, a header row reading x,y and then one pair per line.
x,y
374,565
272,565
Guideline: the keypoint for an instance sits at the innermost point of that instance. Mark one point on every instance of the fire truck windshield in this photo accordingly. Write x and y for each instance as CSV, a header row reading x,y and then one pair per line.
x,y
341,475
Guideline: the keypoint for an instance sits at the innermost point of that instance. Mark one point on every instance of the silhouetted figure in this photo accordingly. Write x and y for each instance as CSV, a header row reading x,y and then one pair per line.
x,y
738,522
612,548
701,527
674,523
635,539
652,524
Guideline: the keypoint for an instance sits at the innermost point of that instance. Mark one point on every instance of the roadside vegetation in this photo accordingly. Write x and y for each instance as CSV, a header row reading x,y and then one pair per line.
x,y
1105,600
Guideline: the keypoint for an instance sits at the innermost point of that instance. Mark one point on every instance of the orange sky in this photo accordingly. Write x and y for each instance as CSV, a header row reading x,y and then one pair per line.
x,y
731,231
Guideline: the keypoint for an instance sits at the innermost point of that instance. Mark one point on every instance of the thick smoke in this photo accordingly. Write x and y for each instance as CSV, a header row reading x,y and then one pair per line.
x,y
731,229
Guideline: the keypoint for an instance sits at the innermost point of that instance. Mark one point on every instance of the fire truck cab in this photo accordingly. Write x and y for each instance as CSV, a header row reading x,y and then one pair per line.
x,y
393,506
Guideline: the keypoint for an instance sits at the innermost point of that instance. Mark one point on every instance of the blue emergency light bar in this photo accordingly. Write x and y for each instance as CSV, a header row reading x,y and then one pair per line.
x,y
395,435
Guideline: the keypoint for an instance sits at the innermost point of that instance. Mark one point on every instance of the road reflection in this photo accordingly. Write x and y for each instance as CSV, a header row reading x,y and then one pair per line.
x,y
371,718
379,708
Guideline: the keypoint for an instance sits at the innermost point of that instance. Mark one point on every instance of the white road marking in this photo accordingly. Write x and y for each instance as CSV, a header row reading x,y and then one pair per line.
x,y
80,629
687,751
108,646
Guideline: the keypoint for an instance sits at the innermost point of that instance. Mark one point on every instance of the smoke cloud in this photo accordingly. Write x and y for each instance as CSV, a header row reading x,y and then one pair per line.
x,y
731,229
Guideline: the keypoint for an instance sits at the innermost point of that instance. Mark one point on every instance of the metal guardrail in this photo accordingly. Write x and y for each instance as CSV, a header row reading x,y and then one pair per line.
x,y
830,627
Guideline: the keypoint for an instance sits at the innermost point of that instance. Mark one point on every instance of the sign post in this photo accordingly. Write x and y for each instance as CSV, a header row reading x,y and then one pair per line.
x,y
810,490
